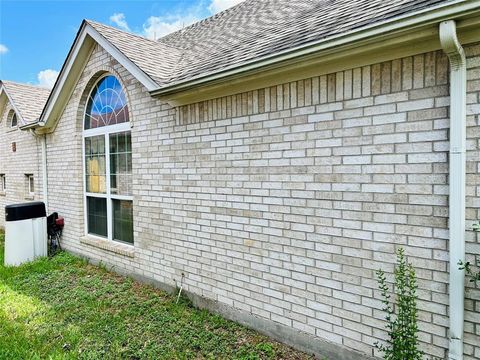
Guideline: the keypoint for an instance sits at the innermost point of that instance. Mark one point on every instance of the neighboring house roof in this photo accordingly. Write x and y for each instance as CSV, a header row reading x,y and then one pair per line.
x,y
27,100
251,30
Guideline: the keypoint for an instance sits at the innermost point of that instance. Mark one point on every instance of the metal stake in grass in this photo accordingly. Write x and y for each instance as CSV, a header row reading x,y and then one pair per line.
x,y
181,288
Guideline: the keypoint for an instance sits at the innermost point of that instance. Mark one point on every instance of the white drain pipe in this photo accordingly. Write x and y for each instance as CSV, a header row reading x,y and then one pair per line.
x,y
43,142
44,171
458,95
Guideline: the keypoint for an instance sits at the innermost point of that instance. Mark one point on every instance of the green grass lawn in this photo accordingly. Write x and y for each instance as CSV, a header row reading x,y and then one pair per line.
x,y
64,308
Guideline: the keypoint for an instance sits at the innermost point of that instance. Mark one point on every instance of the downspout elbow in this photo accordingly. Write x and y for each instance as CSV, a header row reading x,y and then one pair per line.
x,y
458,93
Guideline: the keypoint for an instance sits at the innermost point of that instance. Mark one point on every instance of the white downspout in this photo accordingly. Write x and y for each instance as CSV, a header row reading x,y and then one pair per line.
x,y
43,142
44,171
458,94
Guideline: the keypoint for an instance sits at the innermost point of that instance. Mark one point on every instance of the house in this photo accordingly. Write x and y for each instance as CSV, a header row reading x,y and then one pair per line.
x,y
270,158
20,151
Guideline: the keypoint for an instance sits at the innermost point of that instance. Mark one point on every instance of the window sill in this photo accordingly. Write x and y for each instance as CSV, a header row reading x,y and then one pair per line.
x,y
108,245
3,193
30,197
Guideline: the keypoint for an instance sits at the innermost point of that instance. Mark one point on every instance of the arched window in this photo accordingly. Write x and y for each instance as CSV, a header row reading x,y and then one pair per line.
x,y
12,119
108,162
107,104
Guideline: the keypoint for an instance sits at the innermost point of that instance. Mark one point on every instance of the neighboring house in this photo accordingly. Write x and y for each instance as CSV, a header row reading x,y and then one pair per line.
x,y
20,151
270,158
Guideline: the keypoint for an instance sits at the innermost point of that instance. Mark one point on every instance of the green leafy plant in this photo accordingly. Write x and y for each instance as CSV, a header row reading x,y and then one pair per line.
x,y
473,274
401,312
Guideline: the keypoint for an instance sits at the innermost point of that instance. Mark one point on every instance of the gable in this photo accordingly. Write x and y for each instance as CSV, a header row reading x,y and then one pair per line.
x,y
80,52
27,100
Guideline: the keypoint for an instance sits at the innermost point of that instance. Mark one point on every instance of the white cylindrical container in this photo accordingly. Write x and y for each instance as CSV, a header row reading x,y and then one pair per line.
x,y
25,232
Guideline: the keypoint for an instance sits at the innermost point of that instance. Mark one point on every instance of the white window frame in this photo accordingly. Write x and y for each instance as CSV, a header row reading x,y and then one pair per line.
x,y
105,131
30,178
10,116
3,184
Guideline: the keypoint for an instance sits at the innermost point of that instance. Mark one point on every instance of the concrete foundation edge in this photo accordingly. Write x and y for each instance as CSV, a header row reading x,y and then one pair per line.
x,y
297,339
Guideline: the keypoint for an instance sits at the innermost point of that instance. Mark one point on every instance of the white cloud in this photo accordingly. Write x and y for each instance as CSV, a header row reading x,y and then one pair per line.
x,y
3,49
158,26
47,78
220,5
119,20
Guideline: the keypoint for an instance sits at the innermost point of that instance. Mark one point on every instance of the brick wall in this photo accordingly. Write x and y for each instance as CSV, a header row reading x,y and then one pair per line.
x,y
15,165
282,202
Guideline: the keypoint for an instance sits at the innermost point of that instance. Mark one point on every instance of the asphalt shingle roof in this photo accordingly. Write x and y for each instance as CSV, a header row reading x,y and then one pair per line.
x,y
156,59
29,100
251,30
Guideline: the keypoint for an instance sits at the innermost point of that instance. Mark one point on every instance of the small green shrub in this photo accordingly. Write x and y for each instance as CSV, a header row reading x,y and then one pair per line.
x,y
473,274
401,312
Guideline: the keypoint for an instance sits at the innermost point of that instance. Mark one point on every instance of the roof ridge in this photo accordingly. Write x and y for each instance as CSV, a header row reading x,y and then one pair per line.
x,y
24,84
88,21
204,21
93,23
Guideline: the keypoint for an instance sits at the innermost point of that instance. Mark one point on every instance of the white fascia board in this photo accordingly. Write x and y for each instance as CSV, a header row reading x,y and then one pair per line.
x,y
122,59
59,84
32,125
401,23
88,30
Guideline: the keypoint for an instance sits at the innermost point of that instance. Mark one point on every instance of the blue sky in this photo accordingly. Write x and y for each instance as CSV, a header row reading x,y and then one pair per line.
x,y
36,35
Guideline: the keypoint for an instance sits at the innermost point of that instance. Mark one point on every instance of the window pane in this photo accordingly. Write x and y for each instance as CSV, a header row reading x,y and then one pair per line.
x,y
95,166
123,221
121,163
107,104
97,216
31,184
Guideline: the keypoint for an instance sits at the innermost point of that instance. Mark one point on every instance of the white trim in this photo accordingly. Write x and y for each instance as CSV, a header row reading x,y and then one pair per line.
x,y
97,237
29,179
108,172
117,54
59,84
3,183
343,42
122,197
95,195
353,38
10,119
122,59
104,131
111,129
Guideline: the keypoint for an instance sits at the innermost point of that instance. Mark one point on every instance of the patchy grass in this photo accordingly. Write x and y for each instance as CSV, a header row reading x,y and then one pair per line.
x,y
64,308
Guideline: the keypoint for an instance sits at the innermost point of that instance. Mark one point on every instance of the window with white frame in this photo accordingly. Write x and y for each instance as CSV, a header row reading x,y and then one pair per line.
x,y
29,185
12,119
3,183
108,162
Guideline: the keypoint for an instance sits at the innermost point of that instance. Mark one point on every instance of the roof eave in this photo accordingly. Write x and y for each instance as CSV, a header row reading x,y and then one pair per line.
x,y
33,125
341,42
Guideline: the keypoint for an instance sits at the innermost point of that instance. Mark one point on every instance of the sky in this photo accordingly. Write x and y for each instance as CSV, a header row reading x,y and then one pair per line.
x,y
36,35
